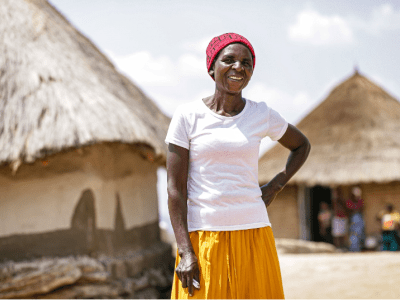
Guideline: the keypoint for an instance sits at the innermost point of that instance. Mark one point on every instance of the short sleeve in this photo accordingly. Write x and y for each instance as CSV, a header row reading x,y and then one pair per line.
x,y
277,125
177,131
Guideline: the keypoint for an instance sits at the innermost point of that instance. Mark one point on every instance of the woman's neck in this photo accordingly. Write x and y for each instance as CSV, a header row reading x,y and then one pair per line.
x,y
225,104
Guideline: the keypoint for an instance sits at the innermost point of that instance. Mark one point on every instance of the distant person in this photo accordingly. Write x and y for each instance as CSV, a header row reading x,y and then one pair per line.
x,y
339,221
325,222
356,230
390,224
226,247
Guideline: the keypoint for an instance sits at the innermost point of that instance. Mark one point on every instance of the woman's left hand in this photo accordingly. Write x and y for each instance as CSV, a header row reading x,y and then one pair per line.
x,y
299,147
269,193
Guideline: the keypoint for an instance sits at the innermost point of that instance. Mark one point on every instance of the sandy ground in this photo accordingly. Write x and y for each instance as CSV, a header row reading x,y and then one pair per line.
x,y
341,275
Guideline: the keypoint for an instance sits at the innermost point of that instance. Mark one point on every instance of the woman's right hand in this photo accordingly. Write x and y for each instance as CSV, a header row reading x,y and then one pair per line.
x,y
187,270
177,171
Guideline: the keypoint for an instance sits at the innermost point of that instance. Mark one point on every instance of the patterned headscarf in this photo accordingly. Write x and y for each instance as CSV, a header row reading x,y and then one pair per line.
x,y
220,42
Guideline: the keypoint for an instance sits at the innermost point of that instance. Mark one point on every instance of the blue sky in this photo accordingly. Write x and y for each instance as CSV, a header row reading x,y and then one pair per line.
x,y
303,48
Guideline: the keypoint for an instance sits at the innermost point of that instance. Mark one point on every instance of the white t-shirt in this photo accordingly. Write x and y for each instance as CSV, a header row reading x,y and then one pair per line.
x,y
223,189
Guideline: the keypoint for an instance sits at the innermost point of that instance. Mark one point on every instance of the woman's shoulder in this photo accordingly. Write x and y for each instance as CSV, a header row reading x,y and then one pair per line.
x,y
258,106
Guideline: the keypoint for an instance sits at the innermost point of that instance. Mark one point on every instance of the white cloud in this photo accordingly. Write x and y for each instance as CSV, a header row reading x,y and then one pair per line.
x,y
199,46
301,99
290,106
169,101
382,18
259,92
167,81
191,65
145,69
317,29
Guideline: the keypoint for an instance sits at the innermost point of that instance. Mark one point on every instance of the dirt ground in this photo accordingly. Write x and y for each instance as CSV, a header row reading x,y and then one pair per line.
x,y
341,275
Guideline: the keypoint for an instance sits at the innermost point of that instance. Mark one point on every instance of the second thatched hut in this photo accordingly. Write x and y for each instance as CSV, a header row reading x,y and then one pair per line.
x,y
355,138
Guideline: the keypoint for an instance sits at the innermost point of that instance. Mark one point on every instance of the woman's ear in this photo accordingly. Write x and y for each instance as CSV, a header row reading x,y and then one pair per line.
x,y
211,71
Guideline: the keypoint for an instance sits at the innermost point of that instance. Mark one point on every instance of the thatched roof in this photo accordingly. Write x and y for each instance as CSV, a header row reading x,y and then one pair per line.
x,y
354,136
58,91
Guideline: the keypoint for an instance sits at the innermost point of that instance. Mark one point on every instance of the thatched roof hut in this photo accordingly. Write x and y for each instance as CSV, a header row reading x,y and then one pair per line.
x,y
80,144
58,91
355,138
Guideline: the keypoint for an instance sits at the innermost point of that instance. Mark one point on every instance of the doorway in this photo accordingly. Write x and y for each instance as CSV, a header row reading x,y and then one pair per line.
x,y
318,194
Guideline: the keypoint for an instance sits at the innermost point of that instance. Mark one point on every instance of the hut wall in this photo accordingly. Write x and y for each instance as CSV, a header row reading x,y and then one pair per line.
x,y
40,205
283,214
100,199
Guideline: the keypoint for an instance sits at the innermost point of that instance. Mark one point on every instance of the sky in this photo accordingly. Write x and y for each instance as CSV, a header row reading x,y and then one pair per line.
x,y
303,48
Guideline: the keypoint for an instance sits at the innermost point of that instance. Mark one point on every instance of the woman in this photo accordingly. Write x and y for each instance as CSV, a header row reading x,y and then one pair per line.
x,y
390,224
340,220
218,211
356,205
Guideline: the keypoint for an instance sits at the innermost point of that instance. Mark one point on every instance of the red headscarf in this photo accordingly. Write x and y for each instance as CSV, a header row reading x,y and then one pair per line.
x,y
220,42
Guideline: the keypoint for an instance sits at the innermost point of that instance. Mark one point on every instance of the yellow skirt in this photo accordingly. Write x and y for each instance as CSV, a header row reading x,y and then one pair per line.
x,y
239,264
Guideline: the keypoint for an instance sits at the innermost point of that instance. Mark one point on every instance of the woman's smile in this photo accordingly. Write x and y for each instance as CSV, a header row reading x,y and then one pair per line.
x,y
235,78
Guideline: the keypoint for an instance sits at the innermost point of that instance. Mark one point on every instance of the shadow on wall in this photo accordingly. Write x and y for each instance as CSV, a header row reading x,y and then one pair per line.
x,y
83,237
119,225
84,221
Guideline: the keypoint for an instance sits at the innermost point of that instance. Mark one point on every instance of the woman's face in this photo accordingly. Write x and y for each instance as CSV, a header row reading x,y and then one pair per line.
x,y
233,68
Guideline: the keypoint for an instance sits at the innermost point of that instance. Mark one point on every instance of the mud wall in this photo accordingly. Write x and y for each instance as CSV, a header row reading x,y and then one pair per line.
x,y
99,199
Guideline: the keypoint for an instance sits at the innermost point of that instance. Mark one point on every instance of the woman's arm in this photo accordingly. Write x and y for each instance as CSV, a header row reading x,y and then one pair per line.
x,y
177,173
299,147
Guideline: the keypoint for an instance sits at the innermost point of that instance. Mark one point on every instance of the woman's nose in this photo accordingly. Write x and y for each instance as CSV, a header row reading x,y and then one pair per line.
x,y
238,66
